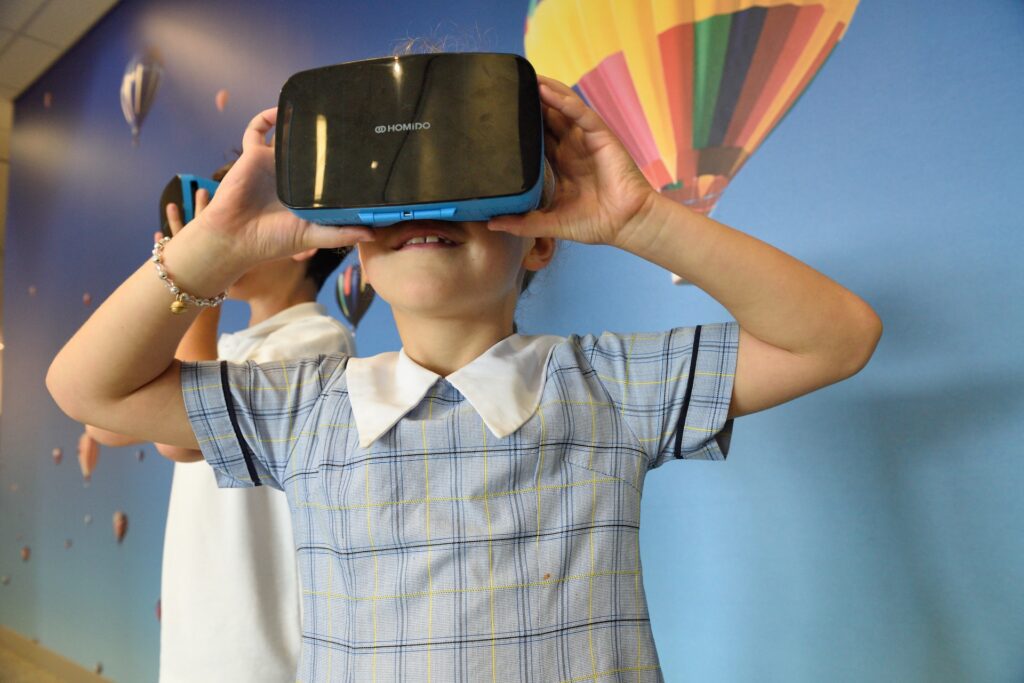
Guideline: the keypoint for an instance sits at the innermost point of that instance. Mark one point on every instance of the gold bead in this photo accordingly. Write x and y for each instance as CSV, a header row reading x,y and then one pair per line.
x,y
177,307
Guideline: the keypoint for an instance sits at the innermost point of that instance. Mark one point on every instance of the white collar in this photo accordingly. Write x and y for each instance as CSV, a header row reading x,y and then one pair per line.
x,y
279,320
503,385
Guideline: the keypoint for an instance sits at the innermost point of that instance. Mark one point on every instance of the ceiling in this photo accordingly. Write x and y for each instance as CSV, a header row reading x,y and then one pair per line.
x,y
34,33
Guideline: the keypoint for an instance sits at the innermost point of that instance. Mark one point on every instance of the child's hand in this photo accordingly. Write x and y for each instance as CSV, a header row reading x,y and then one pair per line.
x,y
174,214
600,191
245,209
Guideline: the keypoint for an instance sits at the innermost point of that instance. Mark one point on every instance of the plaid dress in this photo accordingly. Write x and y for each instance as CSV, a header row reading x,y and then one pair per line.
x,y
441,552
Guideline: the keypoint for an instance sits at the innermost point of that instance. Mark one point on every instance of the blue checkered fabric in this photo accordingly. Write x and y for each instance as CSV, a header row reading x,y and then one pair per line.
x,y
443,553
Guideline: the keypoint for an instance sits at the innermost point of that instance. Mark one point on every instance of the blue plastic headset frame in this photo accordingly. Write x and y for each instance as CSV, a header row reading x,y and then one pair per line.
x,y
187,207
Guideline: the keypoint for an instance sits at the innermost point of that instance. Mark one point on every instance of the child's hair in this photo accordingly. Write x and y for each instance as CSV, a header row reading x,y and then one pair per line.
x,y
322,263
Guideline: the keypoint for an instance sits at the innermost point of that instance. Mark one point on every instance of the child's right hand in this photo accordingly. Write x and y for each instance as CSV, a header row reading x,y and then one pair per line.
x,y
246,212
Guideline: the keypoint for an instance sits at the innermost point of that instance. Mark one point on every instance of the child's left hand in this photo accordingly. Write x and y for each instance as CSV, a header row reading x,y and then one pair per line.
x,y
600,191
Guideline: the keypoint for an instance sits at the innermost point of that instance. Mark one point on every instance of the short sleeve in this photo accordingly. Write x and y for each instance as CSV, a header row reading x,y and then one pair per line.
x,y
248,417
672,388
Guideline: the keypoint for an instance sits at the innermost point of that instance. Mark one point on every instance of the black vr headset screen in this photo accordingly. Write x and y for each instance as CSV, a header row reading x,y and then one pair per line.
x,y
415,129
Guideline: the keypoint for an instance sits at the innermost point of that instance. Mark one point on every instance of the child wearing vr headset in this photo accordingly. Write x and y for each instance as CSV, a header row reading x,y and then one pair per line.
x,y
468,507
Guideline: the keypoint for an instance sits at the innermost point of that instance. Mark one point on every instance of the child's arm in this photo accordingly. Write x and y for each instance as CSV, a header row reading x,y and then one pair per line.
x,y
111,439
200,342
118,371
799,330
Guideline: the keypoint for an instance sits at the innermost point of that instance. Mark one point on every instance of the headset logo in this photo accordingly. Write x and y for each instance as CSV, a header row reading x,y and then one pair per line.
x,y
402,127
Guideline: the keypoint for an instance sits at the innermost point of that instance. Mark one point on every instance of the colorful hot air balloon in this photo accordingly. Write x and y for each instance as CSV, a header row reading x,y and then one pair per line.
x,y
120,525
26,553
138,89
691,87
354,294
88,455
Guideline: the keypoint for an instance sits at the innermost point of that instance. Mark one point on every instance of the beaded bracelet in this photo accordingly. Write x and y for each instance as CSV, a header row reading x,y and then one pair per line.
x,y
181,299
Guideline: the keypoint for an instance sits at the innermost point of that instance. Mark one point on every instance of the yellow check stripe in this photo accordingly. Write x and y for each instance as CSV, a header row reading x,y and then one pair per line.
x,y
677,378
612,672
296,437
454,499
479,589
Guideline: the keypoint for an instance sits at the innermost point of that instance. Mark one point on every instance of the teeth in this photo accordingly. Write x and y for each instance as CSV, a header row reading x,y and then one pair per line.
x,y
430,239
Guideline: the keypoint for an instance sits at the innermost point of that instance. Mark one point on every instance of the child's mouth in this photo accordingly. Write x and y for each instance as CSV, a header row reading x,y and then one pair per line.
x,y
428,242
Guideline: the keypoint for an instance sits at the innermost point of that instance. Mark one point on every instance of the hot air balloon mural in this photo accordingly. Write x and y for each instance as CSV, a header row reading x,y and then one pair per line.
x,y
138,89
354,294
691,87
120,525
88,455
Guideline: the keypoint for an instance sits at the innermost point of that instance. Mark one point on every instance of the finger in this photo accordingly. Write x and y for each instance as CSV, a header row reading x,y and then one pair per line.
x,y
256,132
174,218
532,224
553,83
555,121
331,237
572,107
202,201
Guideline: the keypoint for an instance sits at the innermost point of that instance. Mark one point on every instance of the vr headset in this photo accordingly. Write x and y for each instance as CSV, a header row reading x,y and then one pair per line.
x,y
181,191
445,136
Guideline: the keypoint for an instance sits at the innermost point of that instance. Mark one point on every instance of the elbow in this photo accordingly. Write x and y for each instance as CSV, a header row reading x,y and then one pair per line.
x,y
863,336
178,454
62,392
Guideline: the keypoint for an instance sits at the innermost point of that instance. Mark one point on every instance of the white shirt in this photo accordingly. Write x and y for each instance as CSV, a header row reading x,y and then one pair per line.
x,y
230,597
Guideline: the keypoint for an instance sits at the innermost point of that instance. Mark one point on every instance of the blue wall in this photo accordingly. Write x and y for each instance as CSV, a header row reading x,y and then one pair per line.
x,y
872,531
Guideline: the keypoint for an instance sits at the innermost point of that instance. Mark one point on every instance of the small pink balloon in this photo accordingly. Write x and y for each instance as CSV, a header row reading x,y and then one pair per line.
x,y
26,553
120,525
47,100
88,454
221,99
87,299
32,290
58,456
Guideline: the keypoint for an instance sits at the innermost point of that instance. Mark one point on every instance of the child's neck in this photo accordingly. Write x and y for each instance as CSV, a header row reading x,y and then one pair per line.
x,y
271,303
444,346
